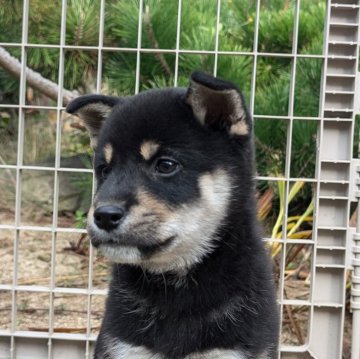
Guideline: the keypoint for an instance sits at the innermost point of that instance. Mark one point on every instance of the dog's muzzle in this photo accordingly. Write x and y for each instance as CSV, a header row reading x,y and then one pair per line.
x,y
113,228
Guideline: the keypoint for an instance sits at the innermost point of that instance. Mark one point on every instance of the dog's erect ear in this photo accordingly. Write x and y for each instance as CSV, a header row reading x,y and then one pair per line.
x,y
218,104
93,110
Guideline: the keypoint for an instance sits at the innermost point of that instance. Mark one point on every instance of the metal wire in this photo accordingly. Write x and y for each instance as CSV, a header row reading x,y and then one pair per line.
x,y
318,309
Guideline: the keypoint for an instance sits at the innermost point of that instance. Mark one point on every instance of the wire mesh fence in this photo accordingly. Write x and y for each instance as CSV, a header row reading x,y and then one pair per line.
x,y
296,62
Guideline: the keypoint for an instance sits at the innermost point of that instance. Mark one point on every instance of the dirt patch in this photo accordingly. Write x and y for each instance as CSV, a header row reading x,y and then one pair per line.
x,y
71,312
74,312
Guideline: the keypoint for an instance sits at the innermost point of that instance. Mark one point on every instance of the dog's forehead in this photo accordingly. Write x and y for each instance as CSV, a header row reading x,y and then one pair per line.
x,y
160,116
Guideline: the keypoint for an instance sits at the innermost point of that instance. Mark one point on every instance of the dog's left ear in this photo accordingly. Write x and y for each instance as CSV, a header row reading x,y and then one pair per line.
x,y
93,110
218,104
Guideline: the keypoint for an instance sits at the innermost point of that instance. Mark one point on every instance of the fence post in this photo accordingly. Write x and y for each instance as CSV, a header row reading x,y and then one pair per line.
x,y
355,290
337,110
355,279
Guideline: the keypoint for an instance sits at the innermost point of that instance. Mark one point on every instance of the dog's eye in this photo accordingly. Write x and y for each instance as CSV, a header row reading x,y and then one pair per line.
x,y
103,171
166,166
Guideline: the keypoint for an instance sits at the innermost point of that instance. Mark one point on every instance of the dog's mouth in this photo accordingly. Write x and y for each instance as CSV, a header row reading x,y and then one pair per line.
x,y
146,249
150,249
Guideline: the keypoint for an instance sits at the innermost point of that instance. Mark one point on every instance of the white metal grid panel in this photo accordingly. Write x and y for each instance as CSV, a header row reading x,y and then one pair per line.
x,y
326,303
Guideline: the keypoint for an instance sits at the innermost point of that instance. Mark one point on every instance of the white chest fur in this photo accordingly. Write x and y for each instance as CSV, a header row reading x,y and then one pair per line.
x,y
121,350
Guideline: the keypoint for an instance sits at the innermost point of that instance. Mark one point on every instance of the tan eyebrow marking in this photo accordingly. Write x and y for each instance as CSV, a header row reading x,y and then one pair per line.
x,y
148,149
108,152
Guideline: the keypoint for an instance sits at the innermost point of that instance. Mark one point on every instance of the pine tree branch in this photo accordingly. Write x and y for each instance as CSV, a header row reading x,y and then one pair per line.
x,y
34,79
155,45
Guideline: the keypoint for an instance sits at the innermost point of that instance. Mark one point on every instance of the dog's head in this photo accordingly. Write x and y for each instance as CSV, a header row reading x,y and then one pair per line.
x,y
166,164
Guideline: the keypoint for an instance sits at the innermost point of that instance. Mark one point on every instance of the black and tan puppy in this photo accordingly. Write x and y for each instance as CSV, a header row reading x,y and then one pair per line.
x,y
174,210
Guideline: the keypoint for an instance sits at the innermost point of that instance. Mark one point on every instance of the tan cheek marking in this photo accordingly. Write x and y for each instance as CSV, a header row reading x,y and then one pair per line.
x,y
148,204
151,204
195,224
108,152
148,149
239,128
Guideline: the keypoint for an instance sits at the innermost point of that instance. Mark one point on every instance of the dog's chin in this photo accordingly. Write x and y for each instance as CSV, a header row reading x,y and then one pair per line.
x,y
121,254
130,250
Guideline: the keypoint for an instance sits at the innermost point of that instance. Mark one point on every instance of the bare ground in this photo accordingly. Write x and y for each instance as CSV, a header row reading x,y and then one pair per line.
x,y
71,268
71,312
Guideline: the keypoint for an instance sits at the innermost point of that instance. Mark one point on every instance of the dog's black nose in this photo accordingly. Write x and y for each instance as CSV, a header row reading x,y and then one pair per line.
x,y
108,217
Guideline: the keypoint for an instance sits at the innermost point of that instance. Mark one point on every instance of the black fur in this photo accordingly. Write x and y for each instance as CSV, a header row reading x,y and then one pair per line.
x,y
85,100
210,82
172,313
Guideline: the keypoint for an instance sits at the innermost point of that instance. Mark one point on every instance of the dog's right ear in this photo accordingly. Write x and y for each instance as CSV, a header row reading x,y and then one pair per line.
x,y
93,110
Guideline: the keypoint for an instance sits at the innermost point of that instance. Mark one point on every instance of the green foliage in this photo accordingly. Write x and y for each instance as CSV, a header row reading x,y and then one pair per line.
x,y
11,24
80,219
274,74
307,87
